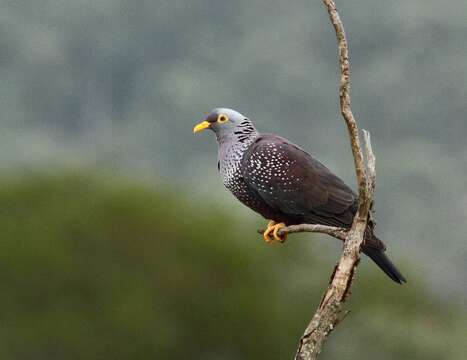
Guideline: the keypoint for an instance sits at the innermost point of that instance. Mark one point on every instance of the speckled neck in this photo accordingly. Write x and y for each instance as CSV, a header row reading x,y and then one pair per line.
x,y
232,147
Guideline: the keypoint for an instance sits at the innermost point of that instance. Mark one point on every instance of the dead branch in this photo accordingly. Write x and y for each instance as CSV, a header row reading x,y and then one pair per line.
x,y
328,314
337,232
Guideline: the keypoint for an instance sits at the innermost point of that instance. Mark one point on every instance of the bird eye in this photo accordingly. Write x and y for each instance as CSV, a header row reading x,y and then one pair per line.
x,y
222,118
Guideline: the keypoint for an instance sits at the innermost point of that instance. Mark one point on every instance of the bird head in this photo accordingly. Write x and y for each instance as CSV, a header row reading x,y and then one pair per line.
x,y
226,123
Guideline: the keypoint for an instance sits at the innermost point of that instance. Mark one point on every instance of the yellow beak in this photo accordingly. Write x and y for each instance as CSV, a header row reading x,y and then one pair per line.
x,y
201,126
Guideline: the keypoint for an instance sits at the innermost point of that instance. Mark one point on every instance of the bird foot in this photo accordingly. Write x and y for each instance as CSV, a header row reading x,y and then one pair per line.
x,y
273,228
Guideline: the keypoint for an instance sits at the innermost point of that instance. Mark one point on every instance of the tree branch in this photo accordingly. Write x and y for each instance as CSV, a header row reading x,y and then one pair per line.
x,y
337,232
328,314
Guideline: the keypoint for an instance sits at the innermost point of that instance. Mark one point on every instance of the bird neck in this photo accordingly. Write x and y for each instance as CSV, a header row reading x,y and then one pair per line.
x,y
233,146
240,139
243,133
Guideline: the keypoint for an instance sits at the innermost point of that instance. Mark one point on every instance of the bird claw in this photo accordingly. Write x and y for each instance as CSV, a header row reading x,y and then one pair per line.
x,y
273,228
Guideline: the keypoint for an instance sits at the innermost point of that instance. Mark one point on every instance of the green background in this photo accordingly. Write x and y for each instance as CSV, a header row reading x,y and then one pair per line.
x,y
93,268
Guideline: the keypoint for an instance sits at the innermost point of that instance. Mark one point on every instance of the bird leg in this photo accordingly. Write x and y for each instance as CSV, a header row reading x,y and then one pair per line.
x,y
273,228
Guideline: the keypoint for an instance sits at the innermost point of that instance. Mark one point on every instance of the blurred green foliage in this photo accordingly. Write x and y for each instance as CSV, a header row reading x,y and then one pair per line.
x,y
100,269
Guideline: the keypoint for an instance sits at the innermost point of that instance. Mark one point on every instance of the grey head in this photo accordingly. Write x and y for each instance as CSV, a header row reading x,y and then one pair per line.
x,y
235,133
228,125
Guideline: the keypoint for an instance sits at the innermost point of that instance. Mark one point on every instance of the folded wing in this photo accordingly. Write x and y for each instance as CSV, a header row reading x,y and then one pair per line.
x,y
291,181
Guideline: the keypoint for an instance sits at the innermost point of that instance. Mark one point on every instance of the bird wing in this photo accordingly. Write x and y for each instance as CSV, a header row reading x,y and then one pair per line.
x,y
291,181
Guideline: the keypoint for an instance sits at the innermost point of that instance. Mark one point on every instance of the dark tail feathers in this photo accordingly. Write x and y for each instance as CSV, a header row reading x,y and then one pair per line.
x,y
380,259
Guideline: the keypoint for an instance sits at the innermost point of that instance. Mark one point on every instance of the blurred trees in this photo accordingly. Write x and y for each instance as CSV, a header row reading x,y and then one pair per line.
x,y
117,85
98,269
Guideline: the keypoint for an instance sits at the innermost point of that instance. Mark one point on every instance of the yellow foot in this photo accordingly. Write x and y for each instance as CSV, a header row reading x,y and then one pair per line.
x,y
273,228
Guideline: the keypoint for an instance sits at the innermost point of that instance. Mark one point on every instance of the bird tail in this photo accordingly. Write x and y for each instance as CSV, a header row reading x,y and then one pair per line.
x,y
380,259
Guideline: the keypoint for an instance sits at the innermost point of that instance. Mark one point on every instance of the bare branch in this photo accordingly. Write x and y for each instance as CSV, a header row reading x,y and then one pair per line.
x,y
371,163
337,232
328,314
344,96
